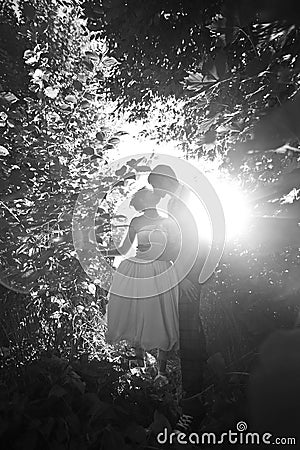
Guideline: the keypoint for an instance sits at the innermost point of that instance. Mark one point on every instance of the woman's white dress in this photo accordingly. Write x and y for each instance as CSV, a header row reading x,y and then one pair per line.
x,y
143,298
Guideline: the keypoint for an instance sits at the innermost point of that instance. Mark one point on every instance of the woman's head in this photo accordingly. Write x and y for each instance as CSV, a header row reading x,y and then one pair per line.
x,y
144,198
163,179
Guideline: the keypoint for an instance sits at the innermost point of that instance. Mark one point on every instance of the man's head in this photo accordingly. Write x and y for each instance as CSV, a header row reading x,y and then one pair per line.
x,y
163,179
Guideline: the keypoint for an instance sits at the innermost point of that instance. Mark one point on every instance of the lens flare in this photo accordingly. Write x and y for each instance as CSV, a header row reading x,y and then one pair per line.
x,y
234,202
236,210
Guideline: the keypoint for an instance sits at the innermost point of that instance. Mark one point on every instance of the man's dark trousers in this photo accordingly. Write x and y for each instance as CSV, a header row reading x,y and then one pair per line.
x,y
193,354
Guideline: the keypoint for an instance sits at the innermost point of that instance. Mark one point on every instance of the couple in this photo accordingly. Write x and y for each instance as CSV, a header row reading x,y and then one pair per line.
x,y
154,303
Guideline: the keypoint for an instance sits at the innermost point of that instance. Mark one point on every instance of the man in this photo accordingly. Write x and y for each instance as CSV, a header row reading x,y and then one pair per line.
x,y
192,253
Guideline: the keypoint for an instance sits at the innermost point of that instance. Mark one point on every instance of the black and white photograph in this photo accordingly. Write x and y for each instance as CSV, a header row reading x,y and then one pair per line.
x,y
149,224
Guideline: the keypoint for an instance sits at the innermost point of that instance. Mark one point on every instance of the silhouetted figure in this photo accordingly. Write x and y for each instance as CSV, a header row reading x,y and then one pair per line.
x,y
193,353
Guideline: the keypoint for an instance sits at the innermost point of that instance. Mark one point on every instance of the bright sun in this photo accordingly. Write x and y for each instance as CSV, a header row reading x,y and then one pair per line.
x,y
235,208
233,200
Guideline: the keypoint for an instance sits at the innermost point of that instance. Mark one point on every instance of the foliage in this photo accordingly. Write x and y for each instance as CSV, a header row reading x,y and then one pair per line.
x,y
252,295
98,404
71,406
56,134
221,39
278,361
53,131
223,80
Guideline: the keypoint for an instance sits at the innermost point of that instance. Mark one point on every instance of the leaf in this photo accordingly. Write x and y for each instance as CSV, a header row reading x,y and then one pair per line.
x,y
277,127
89,96
16,177
105,216
108,147
89,65
9,97
121,133
3,116
109,62
160,423
29,11
194,78
88,150
28,54
45,256
4,225
114,141
92,289
71,99
77,85
121,171
143,169
3,151
132,162
85,104
32,60
100,136
210,137
51,92
206,124
213,72
64,106
93,56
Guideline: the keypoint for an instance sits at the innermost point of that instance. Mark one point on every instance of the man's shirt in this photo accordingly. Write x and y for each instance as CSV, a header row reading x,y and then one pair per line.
x,y
187,242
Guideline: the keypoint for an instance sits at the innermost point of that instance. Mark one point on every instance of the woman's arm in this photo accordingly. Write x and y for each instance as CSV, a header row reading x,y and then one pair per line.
x,y
126,244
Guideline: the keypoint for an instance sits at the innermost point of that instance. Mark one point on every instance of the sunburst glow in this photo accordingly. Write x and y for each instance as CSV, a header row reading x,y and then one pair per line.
x,y
232,197
234,202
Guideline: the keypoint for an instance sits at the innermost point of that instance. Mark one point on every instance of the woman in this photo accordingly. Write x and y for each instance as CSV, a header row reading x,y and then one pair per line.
x,y
143,298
